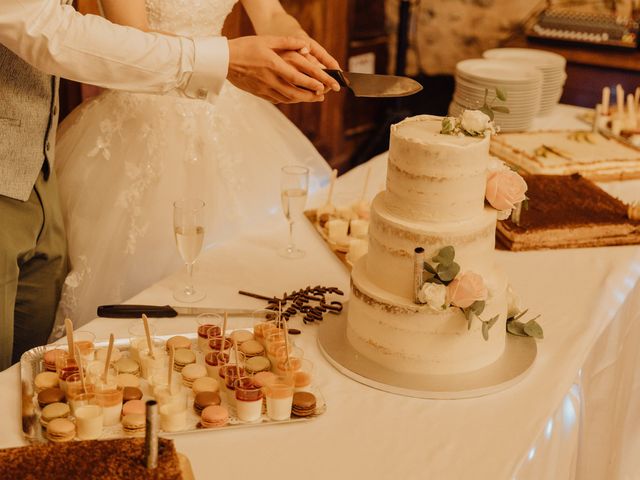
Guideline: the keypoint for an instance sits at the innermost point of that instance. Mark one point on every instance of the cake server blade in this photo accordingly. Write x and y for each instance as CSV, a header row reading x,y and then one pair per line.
x,y
374,85
166,311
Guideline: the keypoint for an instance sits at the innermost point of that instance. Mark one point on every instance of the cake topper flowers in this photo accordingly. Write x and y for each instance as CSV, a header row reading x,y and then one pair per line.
x,y
505,190
476,123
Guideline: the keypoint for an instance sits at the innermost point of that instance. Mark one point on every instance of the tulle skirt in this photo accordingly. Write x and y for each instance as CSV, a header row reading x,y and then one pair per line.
x,y
122,159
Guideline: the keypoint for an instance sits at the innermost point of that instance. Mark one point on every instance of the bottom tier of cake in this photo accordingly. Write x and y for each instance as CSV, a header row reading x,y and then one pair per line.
x,y
406,337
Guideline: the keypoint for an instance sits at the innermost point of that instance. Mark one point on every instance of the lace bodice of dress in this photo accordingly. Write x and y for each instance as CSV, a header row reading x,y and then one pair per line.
x,y
191,18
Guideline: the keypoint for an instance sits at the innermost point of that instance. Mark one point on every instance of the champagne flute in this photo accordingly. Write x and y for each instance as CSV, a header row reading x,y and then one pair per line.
x,y
188,225
294,184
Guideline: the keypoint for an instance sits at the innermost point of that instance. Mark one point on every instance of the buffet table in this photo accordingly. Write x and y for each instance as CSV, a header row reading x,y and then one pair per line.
x,y
572,416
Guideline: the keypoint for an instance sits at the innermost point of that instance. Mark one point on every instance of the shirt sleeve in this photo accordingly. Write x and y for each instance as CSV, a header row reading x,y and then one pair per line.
x,y
86,48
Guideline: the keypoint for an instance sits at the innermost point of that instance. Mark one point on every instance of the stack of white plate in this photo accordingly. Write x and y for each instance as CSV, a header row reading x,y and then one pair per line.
x,y
550,64
521,84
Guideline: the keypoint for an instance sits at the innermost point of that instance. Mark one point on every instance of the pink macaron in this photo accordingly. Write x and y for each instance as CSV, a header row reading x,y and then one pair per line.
x,y
214,416
134,407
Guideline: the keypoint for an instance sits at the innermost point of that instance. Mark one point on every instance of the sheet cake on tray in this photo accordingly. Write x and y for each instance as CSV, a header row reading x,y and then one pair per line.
x,y
568,212
592,155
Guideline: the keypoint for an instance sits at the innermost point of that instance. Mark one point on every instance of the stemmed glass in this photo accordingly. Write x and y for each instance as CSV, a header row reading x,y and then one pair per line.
x,y
188,224
294,184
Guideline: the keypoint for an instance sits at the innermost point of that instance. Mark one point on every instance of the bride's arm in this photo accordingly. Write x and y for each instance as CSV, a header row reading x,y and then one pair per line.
x,y
270,18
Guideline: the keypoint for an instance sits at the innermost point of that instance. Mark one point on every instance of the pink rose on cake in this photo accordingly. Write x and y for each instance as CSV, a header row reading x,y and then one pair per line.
x,y
505,189
465,289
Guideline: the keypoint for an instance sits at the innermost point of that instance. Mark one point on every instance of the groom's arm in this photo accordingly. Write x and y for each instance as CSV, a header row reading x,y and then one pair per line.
x,y
58,40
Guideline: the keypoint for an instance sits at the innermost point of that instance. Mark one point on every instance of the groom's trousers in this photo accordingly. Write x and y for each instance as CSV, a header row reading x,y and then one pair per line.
x,y
33,265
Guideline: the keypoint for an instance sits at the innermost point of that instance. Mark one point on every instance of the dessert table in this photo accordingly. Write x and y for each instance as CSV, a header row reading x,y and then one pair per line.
x,y
572,415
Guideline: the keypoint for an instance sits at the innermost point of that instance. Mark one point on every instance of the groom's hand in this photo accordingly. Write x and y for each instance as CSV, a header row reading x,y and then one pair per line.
x,y
256,66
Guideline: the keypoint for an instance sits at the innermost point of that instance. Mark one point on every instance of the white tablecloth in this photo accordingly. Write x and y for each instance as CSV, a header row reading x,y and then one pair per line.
x,y
572,416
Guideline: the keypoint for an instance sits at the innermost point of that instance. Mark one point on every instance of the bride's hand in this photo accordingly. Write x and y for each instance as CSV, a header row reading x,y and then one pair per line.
x,y
256,66
310,65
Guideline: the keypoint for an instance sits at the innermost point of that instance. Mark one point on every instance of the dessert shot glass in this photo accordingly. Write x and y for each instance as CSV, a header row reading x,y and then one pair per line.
x,y
213,361
215,343
209,324
85,342
173,415
227,375
66,366
109,397
262,320
303,376
151,364
94,373
138,337
248,399
89,416
278,393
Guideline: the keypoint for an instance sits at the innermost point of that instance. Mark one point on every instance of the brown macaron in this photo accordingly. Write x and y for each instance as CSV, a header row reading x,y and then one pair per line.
x,y
204,400
304,404
50,395
131,393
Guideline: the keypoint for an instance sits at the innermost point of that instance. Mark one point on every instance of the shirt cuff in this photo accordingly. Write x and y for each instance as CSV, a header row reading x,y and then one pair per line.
x,y
210,67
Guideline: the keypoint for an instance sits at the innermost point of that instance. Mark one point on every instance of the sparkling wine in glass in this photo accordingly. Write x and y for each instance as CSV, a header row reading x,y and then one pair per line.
x,y
188,225
293,193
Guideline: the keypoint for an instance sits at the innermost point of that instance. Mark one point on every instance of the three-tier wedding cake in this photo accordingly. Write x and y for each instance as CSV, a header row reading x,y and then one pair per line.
x,y
434,200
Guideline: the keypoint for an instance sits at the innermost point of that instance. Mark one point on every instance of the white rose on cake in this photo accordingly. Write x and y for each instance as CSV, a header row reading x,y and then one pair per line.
x,y
434,295
474,121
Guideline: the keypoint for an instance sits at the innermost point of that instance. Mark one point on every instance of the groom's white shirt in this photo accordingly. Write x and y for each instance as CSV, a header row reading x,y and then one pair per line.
x,y
59,41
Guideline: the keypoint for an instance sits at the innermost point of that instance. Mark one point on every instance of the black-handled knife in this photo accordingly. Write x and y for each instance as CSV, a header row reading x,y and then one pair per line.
x,y
165,311
373,85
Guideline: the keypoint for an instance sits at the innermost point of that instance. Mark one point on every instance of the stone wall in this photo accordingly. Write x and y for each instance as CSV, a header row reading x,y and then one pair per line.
x,y
443,32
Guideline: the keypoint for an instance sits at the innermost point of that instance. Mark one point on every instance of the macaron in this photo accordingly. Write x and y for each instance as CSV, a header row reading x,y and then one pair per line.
x,y
251,348
133,407
101,354
45,380
257,364
214,416
241,336
53,411
127,380
50,395
131,393
61,430
128,365
205,384
133,423
304,404
192,372
178,342
49,358
182,357
205,399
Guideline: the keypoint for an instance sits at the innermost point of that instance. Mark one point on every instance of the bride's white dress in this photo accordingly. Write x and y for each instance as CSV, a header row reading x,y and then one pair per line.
x,y
123,158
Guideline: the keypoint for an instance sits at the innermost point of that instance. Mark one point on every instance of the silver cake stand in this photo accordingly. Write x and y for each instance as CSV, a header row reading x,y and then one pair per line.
x,y
509,369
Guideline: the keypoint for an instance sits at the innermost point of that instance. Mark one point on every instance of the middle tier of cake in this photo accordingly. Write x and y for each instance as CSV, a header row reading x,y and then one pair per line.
x,y
392,242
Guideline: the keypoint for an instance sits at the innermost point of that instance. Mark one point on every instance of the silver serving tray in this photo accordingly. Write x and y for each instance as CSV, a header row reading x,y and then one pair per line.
x,y
31,363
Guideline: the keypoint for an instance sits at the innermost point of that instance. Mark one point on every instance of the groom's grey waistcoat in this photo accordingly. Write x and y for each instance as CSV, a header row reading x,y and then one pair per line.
x,y
28,120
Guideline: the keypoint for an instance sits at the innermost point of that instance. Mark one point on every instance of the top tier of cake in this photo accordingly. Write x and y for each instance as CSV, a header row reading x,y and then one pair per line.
x,y
433,177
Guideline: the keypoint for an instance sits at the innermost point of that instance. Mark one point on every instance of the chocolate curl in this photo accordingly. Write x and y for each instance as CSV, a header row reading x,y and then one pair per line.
x,y
515,214
152,427
418,268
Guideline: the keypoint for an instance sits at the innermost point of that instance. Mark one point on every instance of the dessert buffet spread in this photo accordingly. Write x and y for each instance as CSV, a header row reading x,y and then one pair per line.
x,y
593,155
215,377
568,212
428,297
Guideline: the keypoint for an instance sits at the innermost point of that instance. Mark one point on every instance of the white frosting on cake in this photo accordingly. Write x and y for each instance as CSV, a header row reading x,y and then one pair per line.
x,y
392,241
435,177
402,336
434,198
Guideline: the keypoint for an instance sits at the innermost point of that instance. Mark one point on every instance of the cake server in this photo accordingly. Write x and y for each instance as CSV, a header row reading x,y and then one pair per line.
x,y
373,85
166,311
